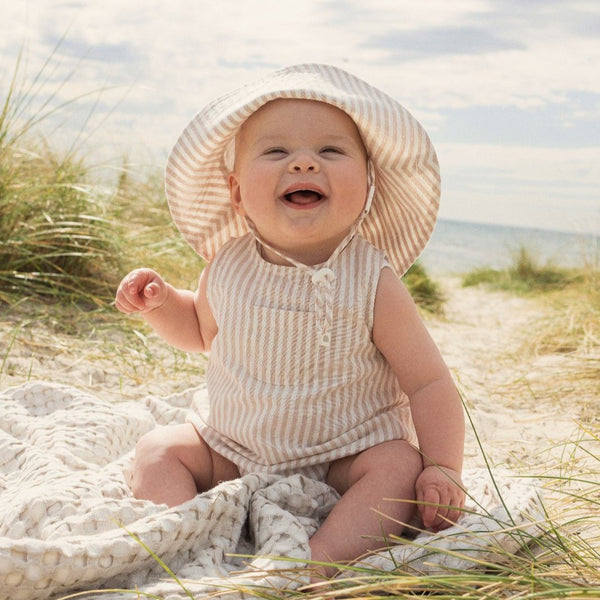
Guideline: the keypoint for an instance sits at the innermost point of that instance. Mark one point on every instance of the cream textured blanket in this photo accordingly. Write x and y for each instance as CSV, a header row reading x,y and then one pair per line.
x,y
68,520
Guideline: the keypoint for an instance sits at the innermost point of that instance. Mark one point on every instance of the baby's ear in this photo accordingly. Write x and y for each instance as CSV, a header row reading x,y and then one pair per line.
x,y
235,194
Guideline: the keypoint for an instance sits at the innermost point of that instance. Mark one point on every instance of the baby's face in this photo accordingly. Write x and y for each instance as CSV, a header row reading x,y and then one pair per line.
x,y
300,175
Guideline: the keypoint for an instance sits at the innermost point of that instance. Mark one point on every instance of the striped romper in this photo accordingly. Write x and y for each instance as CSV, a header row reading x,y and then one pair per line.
x,y
286,391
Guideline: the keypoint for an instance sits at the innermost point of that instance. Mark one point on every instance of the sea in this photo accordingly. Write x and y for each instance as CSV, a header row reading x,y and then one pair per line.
x,y
457,247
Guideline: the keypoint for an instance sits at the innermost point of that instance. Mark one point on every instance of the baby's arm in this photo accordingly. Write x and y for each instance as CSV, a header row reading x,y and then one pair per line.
x,y
436,407
180,317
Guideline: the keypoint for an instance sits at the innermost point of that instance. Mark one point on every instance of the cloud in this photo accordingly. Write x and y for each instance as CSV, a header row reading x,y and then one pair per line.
x,y
572,122
78,48
401,45
541,17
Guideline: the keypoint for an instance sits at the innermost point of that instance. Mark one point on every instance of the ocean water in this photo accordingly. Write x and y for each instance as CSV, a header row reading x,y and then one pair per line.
x,y
459,247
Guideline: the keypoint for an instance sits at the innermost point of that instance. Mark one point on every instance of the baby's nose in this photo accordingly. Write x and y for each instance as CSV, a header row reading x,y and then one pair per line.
x,y
304,162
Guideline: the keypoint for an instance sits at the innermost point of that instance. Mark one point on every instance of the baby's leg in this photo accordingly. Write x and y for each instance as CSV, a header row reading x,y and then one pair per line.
x,y
172,464
365,480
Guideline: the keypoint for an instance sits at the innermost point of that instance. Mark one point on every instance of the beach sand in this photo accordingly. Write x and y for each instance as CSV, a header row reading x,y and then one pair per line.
x,y
524,406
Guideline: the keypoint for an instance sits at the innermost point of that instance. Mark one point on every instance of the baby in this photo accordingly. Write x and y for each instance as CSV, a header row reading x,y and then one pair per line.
x,y
309,193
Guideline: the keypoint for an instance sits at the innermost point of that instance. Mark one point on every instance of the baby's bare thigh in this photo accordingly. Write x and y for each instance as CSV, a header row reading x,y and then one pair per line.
x,y
183,443
388,460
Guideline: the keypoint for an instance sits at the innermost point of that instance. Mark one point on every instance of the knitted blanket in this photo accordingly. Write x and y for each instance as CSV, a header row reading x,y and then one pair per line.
x,y
68,521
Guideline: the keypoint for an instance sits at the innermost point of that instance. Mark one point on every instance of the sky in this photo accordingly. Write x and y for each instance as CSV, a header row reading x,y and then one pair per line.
x,y
508,90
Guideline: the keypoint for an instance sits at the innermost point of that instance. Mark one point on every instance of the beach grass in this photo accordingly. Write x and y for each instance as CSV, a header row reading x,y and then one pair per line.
x,y
573,324
56,238
526,275
426,292
569,313
56,241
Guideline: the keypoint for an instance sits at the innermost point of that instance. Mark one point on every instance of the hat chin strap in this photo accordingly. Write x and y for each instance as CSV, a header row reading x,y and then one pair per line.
x,y
370,192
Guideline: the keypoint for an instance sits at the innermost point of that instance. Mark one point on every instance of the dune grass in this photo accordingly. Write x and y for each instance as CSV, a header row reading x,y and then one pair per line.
x,y
574,322
56,238
569,321
148,233
426,292
525,275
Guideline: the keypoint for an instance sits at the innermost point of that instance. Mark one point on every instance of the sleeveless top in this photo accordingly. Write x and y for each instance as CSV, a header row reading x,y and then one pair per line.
x,y
279,400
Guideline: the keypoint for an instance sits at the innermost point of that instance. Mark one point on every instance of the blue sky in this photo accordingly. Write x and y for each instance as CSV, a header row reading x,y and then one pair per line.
x,y
509,90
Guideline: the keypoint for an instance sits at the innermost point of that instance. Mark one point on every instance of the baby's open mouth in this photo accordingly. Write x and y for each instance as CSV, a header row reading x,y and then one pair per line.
x,y
303,197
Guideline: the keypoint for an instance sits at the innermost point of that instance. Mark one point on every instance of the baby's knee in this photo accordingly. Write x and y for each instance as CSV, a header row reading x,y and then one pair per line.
x,y
398,459
159,444
164,468
393,462
156,439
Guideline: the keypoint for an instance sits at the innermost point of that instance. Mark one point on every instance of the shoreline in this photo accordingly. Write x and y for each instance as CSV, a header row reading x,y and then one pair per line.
x,y
458,247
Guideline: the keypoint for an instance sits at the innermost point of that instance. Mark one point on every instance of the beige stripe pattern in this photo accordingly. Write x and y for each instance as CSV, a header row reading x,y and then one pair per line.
x,y
278,400
407,179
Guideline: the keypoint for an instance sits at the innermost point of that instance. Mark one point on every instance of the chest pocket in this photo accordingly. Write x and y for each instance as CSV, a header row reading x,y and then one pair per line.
x,y
283,348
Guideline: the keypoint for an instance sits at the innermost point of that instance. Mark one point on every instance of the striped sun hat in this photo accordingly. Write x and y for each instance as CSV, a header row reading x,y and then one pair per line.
x,y
406,173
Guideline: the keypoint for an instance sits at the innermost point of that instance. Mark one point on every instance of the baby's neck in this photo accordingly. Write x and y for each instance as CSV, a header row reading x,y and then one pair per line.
x,y
310,259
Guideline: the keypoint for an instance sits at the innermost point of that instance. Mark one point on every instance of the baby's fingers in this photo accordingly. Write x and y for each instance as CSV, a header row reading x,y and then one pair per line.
x,y
429,506
131,294
127,303
455,508
445,517
151,291
439,510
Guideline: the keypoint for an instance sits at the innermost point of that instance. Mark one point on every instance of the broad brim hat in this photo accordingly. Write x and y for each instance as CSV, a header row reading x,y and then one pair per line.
x,y
404,164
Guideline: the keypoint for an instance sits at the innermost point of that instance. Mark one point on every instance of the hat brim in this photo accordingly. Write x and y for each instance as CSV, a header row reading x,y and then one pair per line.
x,y
407,179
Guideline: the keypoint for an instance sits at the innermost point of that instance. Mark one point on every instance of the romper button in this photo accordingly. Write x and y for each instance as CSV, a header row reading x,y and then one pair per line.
x,y
325,339
323,275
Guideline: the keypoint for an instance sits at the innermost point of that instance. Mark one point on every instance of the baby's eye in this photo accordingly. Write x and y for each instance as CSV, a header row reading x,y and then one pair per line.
x,y
275,151
331,150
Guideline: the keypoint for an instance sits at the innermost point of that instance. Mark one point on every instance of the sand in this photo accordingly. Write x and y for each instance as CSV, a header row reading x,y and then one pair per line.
x,y
524,406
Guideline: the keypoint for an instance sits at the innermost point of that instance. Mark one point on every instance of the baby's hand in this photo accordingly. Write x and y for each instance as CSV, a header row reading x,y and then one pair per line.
x,y
142,290
441,492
